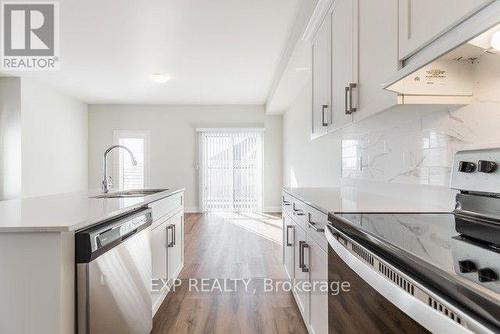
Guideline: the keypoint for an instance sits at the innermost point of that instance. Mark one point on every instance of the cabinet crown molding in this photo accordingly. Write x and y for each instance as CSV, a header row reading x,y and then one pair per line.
x,y
321,10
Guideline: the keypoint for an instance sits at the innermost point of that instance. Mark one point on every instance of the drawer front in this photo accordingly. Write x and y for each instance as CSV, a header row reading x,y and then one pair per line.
x,y
164,206
299,213
286,203
316,223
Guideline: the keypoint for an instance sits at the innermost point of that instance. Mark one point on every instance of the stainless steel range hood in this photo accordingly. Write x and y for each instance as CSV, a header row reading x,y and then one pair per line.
x,y
455,68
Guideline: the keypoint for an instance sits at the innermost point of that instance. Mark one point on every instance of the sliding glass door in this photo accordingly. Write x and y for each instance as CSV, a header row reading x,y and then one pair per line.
x,y
231,170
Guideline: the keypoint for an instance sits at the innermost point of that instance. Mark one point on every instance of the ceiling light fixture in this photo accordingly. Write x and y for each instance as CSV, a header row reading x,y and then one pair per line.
x,y
495,41
160,77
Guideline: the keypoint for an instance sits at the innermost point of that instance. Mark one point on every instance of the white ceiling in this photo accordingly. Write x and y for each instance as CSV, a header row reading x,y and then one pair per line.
x,y
217,51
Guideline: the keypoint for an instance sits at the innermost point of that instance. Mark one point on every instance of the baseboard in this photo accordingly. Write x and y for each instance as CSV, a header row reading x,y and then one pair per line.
x,y
272,209
192,209
267,209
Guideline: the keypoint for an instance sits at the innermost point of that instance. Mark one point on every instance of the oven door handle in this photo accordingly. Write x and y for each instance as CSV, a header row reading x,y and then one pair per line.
x,y
420,311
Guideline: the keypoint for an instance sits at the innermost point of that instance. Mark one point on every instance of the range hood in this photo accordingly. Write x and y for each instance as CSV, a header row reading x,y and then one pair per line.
x,y
460,67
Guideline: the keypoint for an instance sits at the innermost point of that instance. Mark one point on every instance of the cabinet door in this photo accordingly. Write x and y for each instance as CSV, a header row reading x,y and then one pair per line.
x,y
175,238
378,55
289,246
321,58
422,21
301,272
319,299
344,61
159,251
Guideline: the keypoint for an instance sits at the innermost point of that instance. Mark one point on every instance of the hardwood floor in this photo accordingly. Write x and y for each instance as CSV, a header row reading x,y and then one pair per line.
x,y
236,247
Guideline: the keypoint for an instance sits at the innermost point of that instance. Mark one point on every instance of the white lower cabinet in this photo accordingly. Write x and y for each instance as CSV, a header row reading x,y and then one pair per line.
x,y
289,246
319,298
301,272
305,261
175,245
167,246
158,251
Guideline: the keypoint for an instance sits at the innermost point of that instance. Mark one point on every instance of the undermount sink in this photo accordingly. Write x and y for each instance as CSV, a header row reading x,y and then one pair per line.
x,y
130,193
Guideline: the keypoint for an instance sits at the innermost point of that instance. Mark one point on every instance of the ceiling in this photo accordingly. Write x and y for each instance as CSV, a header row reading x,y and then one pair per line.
x,y
216,51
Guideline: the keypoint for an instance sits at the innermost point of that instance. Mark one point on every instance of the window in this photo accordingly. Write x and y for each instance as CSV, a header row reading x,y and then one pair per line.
x,y
231,162
127,175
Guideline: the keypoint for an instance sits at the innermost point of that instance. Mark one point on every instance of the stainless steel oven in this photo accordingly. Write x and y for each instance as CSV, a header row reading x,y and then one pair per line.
x,y
384,299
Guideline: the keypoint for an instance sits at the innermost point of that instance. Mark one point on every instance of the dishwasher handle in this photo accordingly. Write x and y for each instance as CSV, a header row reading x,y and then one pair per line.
x,y
97,240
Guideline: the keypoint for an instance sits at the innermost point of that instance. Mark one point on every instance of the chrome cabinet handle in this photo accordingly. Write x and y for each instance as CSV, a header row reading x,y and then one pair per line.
x,y
346,100
313,225
302,246
352,86
285,202
297,212
349,108
288,243
323,108
170,243
173,234
301,255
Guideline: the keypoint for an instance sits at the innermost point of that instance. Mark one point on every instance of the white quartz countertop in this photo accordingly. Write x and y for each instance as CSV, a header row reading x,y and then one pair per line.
x,y
68,212
349,199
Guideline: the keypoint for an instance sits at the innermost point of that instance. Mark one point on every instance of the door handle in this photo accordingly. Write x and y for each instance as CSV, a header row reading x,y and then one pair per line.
x,y
301,256
323,108
170,243
313,225
348,100
297,212
285,202
302,246
288,243
174,235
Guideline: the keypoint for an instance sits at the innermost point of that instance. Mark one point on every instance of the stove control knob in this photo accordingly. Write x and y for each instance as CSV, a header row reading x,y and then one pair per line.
x,y
487,275
467,266
466,167
486,166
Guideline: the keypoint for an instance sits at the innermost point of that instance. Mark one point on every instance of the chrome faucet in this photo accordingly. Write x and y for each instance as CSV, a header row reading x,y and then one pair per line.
x,y
105,182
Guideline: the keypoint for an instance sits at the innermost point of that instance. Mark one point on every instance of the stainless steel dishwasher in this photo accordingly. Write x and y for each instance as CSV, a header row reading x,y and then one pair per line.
x,y
113,263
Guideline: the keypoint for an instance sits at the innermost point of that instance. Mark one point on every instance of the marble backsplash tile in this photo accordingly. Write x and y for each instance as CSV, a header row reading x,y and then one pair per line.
x,y
415,145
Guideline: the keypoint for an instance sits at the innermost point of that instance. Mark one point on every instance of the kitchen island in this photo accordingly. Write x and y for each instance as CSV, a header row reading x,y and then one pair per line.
x,y
37,255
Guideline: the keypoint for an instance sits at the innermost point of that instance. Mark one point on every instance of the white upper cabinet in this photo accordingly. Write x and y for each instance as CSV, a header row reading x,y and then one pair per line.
x,y
321,76
422,21
344,62
378,55
334,74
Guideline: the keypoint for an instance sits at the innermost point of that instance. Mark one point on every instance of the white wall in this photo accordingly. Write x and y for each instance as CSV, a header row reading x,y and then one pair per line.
x,y
10,138
307,163
54,141
173,151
